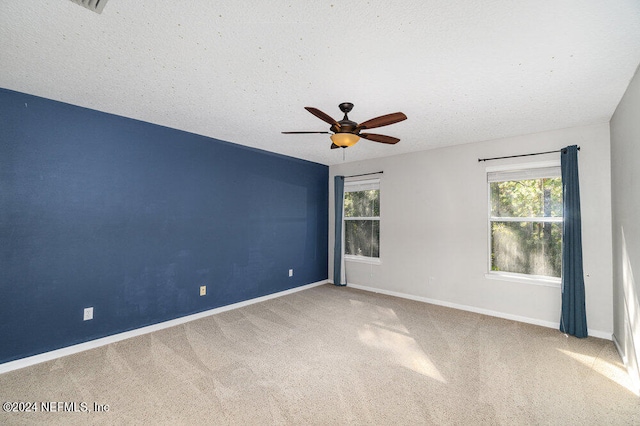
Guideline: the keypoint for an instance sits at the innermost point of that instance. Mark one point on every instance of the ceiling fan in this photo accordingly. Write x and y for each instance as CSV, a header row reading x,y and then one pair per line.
x,y
346,133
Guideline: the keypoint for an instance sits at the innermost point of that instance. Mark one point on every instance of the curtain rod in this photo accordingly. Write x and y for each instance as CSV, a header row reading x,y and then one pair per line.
x,y
522,155
365,174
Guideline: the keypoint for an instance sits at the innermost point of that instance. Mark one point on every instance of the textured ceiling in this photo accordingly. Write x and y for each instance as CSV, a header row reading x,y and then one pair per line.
x,y
243,71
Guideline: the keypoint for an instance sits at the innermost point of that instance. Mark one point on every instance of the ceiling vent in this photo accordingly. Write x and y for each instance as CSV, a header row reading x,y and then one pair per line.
x,y
95,5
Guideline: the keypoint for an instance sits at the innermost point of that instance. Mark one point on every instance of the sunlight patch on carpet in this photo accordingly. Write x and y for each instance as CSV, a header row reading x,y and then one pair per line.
x,y
402,350
613,372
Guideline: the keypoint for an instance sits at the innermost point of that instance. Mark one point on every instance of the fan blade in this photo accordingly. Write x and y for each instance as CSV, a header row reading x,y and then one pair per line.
x,y
334,146
322,116
305,133
383,120
379,138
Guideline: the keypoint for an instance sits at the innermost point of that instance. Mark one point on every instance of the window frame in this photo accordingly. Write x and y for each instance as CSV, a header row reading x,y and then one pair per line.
x,y
516,276
373,183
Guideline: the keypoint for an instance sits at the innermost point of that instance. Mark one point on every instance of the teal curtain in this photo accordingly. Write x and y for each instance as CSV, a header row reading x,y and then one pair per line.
x,y
338,256
573,319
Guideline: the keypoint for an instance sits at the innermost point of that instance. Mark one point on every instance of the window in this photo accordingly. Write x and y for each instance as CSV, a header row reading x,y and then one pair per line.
x,y
362,219
525,222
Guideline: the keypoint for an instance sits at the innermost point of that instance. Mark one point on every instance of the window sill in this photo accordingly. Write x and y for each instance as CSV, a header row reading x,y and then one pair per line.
x,y
363,259
525,279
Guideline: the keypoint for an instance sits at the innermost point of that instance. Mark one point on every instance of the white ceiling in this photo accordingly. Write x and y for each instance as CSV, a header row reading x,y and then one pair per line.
x,y
242,71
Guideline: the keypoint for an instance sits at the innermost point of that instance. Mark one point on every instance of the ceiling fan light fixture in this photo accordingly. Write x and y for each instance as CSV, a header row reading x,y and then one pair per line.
x,y
346,133
345,140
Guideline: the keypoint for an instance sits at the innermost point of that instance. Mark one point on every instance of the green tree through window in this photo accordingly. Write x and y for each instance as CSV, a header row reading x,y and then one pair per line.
x,y
362,222
526,226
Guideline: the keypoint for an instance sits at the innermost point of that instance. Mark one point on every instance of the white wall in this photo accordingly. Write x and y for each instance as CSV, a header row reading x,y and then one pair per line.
x,y
434,227
625,193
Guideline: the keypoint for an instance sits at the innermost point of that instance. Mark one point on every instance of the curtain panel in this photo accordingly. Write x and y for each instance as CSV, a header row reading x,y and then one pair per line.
x,y
573,319
339,274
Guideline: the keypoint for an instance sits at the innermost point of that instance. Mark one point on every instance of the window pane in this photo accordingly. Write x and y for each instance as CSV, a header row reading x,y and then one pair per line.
x,y
362,237
527,248
527,198
362,203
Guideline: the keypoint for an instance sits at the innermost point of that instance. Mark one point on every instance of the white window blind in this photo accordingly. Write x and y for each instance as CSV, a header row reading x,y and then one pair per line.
x,y
362,185
524,174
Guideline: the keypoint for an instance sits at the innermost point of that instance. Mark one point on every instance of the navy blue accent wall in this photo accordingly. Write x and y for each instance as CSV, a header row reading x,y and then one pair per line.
x,y
131,218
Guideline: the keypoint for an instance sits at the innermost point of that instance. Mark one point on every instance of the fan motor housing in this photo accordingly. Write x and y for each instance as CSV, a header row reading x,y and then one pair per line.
x,y
346,126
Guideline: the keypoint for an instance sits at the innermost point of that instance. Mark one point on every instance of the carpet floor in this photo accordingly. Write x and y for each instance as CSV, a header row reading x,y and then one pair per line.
x,y
328,356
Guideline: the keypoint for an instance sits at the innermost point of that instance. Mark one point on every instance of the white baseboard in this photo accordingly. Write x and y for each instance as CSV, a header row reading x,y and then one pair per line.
x,y
69,350
535,321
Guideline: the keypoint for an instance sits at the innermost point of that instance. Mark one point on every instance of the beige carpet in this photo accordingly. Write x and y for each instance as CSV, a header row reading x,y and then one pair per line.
x,y
332,355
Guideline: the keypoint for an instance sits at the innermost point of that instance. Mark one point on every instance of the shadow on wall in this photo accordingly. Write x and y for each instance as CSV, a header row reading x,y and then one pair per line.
x,y
631,315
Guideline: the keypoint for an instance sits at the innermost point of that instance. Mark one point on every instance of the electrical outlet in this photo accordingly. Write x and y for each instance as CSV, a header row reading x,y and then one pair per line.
x,y
88,314
203,290
290,272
